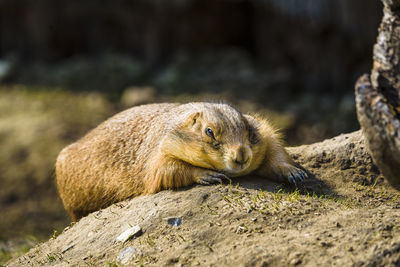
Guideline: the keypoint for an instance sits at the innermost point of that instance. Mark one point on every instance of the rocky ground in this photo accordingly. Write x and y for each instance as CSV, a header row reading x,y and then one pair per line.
x,y
345,214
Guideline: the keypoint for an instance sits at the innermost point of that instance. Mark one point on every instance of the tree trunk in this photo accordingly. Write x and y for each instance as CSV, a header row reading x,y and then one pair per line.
x,y
377,97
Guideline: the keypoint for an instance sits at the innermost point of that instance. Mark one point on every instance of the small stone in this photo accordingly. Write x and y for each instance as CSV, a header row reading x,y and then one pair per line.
x,y
241,230
134,231
127,254
174,221
295,261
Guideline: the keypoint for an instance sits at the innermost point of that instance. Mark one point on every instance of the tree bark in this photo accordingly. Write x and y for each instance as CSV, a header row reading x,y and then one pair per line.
x,y
377,96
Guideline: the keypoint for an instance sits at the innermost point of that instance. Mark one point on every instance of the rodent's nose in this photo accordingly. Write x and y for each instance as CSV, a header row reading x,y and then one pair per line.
x,y
242,162
241,156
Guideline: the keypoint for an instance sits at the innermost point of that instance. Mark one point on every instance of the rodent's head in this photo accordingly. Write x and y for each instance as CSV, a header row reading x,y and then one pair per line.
x,y
217,137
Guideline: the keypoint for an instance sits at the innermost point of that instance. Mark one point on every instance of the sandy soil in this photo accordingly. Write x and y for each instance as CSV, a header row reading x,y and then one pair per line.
x,y
345,214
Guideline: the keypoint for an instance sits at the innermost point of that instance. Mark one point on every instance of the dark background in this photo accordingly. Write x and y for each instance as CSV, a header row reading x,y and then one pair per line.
x,y
67,65
296,56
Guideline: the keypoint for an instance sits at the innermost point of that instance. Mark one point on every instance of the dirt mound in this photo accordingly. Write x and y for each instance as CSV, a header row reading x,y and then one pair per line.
x,y
345,214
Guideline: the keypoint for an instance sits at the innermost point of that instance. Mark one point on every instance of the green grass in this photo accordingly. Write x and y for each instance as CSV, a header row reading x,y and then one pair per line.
x,y
5,255
282,201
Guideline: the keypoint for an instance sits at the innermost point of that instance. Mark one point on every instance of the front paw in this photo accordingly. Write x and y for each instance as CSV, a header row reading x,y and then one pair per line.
x,y
292,174
207,177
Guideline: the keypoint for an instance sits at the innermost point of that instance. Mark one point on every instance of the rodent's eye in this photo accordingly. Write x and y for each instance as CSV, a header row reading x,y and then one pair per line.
x,y
210,132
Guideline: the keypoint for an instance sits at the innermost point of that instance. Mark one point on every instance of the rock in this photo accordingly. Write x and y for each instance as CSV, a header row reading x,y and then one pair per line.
x,y
127,254
241,230
295,261
174,221
134,231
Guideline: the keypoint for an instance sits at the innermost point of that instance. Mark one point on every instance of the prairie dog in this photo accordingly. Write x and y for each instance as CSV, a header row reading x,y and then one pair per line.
x,y
153,147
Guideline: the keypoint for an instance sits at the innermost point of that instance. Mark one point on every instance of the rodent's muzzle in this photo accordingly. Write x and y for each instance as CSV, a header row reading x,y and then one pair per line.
x,y
239,157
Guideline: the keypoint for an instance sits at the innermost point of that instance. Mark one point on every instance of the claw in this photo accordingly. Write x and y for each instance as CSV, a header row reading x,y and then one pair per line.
x,y
222,177
292,180
211,177
299,175
296,176
209,180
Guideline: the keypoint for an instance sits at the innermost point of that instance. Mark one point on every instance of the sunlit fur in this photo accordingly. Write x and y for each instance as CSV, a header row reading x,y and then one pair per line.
x,y
149,148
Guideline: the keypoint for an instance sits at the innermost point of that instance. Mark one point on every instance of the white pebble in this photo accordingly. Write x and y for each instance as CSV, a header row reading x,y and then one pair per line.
x,y
129,233
126,255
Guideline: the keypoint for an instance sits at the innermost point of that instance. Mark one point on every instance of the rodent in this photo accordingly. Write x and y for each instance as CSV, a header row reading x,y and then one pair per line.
x,y
148,148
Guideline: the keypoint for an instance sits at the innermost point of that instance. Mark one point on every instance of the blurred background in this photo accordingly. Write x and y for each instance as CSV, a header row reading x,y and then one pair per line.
x,y
65,66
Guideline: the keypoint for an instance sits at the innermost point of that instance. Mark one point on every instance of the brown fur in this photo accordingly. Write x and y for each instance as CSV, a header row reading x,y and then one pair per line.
x,y
149,148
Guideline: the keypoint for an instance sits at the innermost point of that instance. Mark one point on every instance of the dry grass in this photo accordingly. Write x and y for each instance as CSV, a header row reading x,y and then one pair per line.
x,y
35,124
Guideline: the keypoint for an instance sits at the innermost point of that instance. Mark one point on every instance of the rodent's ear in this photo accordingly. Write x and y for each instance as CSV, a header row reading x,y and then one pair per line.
x,y
253,127
251,120
193,119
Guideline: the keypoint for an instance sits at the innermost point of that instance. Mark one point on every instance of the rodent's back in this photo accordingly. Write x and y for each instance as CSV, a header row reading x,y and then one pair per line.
x,y
107,163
